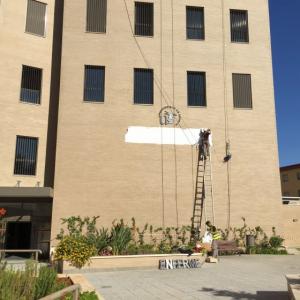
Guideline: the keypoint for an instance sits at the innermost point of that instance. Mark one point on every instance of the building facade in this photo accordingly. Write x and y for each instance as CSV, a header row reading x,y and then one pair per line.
x,y
290,180
96,145
290,186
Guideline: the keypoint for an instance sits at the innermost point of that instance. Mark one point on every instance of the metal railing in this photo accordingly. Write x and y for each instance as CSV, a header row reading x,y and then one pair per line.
x,y
73,289
291,200
35,251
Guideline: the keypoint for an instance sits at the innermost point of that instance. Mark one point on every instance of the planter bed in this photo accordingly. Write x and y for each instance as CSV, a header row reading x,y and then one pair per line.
x,y
102,263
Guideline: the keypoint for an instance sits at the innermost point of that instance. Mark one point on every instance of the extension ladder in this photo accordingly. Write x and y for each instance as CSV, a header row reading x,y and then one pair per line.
x,y
203,201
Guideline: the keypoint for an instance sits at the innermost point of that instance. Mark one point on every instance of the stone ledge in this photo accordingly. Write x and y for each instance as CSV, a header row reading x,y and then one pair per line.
x,y
293,282
103,263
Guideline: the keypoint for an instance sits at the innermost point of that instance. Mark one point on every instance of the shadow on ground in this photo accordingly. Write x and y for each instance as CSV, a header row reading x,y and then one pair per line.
x,y
260,295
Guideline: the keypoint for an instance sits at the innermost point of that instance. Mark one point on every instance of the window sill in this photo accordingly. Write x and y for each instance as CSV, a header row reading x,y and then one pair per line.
x,y
241,43
195,40
93,102
35,34
144,36
23,175
96,32
29,103
196,106
143,104
243,108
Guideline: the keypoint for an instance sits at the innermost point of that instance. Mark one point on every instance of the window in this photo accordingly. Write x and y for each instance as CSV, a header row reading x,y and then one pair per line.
x,y
285,177
143,86
242,90
195,23
26,154
94,83
31,85
96,15
36,17
143,18
298,175
196,83
239,26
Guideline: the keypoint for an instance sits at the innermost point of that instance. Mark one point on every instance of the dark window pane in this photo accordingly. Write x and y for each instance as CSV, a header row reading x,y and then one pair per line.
x,y
239,26
196,88
31,85
94,83
143,86
195,22
96,15
144,18
26,154
36,17
242,91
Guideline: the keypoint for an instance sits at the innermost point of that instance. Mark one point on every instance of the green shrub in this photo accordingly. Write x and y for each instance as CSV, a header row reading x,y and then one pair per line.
x,y
17,284
276,241
46,283
76,250
88,296
120,237
266,250
27,285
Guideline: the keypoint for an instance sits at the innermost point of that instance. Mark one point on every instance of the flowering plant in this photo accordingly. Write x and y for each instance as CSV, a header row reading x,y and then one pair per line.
x,y
2,213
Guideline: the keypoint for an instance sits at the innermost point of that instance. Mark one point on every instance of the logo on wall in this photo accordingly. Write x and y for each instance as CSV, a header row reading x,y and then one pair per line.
x,y
169,115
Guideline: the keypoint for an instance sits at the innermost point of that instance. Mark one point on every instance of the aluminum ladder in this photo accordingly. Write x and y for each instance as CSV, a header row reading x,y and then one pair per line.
x,y
203,201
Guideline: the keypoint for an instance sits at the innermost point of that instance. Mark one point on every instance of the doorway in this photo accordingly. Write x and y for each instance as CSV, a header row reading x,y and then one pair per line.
x,y
18,236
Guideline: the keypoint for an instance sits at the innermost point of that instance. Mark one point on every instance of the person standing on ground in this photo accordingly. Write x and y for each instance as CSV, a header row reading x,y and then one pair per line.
x,y
216,236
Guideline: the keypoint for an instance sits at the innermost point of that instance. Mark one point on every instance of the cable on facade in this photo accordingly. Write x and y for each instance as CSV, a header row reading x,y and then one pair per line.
x,y
173,94
226,116
161,128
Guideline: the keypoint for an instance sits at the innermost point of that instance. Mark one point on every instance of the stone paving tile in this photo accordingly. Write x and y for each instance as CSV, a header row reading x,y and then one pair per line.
x,y
245,277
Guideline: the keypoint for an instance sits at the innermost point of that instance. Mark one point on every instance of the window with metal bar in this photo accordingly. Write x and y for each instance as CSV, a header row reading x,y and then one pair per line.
x,y
239,26
94,83
36,17
196,83
31,85
144,18
195,23
285,177
242,90
96,16
143,86
26,155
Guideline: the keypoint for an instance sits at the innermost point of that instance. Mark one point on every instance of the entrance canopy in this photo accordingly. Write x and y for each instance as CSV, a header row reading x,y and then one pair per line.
x,y
26,192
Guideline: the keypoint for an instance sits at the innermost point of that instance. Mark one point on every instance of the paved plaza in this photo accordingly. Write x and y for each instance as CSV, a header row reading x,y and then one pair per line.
x,y
235,277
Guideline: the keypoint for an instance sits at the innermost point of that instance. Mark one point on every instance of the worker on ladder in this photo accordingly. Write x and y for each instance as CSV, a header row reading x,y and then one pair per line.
x,y
204,143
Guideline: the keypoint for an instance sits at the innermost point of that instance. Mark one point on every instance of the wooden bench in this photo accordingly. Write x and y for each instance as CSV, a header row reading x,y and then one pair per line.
x,y
228,246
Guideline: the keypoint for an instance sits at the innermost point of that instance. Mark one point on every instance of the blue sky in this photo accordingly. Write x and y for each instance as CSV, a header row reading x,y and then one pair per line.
x,y
285,30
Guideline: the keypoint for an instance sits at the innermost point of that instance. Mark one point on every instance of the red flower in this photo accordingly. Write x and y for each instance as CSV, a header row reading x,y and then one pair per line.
x,y
2,212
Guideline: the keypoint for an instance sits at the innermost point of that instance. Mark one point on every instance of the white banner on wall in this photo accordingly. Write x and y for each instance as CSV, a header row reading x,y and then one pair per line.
x,y
162,135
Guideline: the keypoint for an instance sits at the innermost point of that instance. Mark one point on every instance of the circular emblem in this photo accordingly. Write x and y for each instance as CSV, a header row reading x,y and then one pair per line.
x,y
169,115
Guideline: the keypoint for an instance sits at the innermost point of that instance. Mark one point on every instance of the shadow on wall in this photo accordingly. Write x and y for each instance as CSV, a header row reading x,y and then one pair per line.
x,y
260,295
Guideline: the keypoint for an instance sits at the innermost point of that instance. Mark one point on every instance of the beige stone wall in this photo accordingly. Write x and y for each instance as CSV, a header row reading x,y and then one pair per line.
x,y
17,118
291,219
97,173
